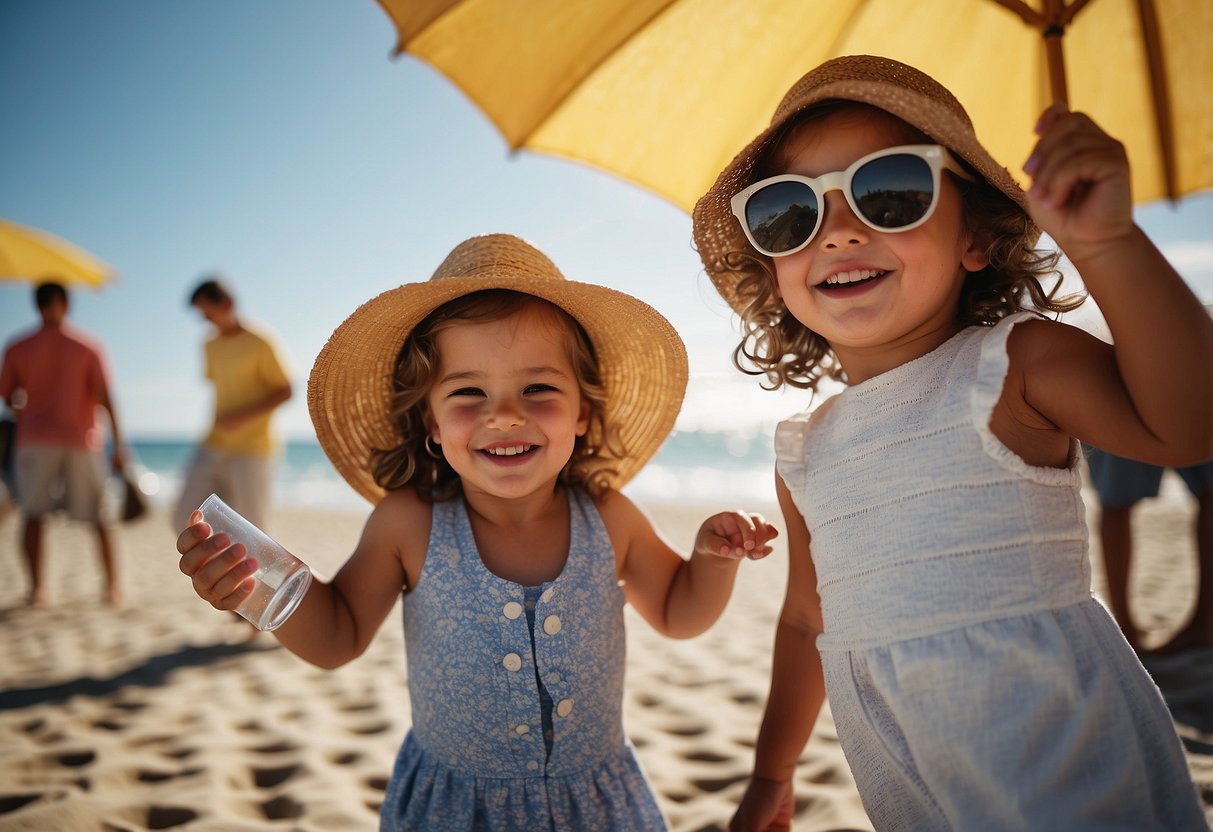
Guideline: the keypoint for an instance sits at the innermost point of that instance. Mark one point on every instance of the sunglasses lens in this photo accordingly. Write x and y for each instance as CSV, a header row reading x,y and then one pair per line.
x,y
894,191
782,216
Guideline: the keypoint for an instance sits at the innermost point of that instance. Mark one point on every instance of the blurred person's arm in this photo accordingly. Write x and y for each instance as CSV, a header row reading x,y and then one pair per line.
x,y
118,457
275,399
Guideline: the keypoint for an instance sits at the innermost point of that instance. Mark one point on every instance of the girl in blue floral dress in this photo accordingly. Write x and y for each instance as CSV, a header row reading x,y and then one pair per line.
x,y
490,413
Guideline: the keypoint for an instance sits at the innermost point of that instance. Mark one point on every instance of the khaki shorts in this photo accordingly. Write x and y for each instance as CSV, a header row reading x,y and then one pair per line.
x,y
243,481
49,476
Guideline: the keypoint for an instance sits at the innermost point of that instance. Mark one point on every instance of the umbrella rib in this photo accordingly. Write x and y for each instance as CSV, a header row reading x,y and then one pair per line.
x,y
1029,14
1160,93
1070,11
1041,21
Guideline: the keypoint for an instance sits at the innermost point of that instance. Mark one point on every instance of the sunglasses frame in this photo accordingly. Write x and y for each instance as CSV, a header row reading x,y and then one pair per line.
x,y
937,157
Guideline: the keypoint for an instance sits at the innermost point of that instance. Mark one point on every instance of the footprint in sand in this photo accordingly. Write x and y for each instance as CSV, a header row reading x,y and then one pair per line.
x,y
153,777
267,778
717,784
282,807
371,729
76,759
347,758
168,817
13,802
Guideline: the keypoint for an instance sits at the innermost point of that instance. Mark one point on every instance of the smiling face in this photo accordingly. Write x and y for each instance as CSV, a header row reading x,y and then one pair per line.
x,y
880,299
506,406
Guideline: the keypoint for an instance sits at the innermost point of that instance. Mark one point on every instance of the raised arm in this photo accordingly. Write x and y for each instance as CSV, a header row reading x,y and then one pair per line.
x,y
797,687
681,597
1153,391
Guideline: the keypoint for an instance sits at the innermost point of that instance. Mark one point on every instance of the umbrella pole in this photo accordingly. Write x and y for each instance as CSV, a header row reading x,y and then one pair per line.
x,y
1054,31
1051,20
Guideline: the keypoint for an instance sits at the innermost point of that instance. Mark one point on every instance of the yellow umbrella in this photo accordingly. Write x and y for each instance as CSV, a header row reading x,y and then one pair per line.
x,y
30,254
664,92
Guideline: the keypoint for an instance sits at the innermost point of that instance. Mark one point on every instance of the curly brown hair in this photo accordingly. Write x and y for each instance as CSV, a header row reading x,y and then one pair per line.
x,y
412,464
776,345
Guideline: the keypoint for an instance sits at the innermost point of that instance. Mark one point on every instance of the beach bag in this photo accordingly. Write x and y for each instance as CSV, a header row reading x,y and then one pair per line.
x,y
134,501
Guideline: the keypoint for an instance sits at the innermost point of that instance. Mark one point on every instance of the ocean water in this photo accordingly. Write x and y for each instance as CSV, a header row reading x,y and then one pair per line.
x,y
732,470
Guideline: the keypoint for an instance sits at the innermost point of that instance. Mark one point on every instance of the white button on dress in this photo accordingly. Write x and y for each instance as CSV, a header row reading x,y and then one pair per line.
x,y
522,730
512,610
565,707
511,662
551,625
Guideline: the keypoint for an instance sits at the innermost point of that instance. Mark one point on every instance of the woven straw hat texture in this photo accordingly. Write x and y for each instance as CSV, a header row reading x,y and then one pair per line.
x,y
641,359
894,87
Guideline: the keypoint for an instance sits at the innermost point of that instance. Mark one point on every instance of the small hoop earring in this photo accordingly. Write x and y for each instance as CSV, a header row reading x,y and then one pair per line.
x,y
429,448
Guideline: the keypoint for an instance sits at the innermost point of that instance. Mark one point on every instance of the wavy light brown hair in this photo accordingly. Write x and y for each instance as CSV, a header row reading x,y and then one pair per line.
x,y
777,346
411,465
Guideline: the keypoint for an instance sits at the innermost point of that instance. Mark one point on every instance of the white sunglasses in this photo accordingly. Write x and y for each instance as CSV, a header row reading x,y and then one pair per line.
x,y
891,190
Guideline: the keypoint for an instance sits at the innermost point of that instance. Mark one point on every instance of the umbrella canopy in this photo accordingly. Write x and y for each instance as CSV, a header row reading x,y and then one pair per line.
x,y
665,92
36,256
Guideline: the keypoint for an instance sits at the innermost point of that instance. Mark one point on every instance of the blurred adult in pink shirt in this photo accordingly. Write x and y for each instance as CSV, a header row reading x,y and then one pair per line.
x,y
55,379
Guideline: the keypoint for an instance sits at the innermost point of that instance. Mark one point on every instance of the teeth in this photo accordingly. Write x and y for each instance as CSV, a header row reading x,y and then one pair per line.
x,y
512,450
853,276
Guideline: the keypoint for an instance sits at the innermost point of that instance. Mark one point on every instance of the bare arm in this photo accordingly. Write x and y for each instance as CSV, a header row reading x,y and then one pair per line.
x,y
274,399
797,686
1155,383
336,620
681,597
119,455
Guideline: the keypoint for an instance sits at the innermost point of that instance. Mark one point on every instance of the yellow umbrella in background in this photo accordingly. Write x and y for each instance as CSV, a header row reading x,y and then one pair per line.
x,y
37,256
664,92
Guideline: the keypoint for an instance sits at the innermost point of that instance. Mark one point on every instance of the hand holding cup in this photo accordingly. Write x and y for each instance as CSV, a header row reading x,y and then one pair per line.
x,y
235,566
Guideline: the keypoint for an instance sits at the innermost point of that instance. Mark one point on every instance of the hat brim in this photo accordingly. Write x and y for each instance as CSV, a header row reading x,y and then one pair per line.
x,y
641,359
717,232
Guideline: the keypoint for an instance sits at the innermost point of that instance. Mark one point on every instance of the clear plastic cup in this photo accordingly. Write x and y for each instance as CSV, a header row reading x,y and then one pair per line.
x,y
282,579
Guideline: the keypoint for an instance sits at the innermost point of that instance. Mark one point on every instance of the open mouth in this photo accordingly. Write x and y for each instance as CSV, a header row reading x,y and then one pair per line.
x,y
509,452
854,279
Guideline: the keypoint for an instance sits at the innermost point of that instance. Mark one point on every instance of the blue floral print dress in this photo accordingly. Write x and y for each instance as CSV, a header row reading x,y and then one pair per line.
x,y
517,693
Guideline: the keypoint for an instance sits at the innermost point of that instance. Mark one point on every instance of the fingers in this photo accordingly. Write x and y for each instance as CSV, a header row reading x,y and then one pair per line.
x,y
737,535
766,806
1072,152
224,580
193,534
218,569
1049,117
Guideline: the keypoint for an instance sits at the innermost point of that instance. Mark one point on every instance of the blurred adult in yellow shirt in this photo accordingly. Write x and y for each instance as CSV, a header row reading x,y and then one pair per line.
x,y
236,459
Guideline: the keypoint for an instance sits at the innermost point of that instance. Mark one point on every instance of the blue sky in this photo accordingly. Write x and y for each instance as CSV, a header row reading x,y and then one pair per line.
x,y
276,142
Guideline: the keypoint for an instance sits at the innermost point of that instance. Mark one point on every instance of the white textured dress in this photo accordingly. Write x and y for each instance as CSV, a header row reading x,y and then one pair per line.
x,y
975,682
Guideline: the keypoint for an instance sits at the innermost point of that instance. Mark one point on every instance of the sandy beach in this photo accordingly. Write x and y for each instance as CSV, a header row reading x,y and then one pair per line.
x,y
164,714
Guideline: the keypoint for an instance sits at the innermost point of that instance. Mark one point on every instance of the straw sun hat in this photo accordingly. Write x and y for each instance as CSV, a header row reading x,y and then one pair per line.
x,y
641,359
911,95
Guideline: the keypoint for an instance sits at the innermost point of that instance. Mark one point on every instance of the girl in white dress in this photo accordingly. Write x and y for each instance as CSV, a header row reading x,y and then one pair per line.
x,y
939,582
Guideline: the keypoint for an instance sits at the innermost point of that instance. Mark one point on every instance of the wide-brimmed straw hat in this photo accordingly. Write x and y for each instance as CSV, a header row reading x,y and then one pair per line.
x,y
911,95
641,359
